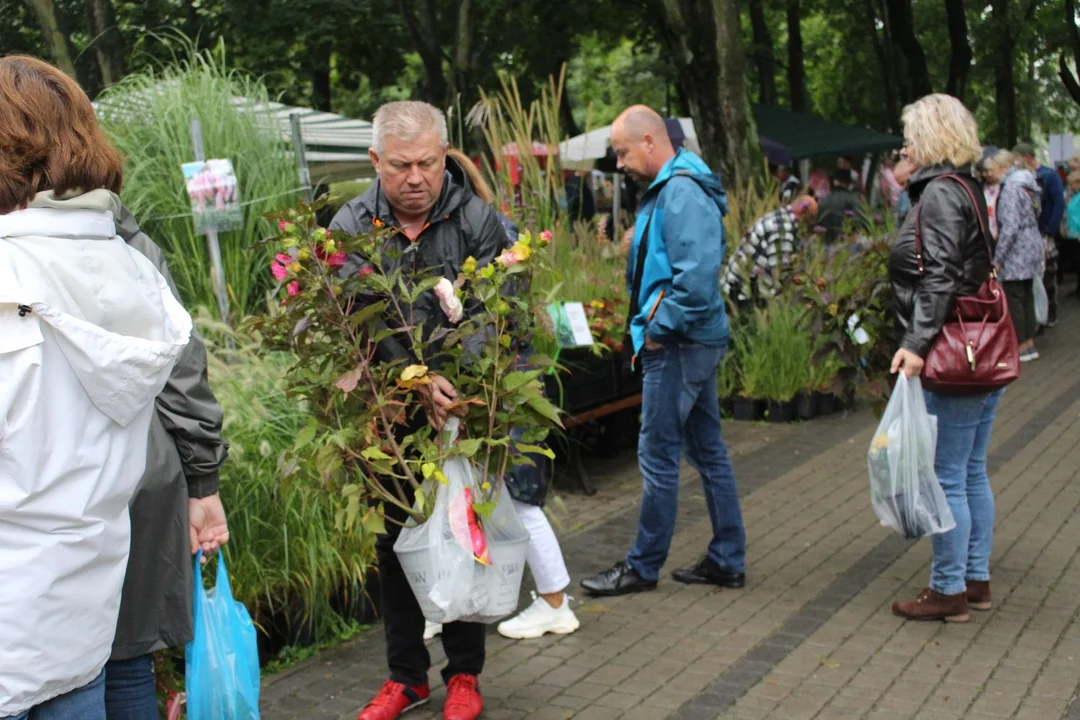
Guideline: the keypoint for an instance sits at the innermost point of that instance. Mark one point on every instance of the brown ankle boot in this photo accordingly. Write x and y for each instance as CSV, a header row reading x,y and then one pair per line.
x,y
930,605
978,594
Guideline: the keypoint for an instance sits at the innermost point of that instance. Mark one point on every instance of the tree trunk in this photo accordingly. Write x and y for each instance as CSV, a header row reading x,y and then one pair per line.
x,y
960,54
424,30
708,53
461,63
1004,81
763,54
796,70
902,24
1072,85
321,91
885,66
108,41
55,38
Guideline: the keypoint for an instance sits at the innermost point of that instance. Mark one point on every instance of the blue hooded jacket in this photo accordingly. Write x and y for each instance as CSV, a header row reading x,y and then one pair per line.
x,y
680,300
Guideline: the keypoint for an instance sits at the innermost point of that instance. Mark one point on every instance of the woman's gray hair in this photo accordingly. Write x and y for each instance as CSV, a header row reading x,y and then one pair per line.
x,y
406,120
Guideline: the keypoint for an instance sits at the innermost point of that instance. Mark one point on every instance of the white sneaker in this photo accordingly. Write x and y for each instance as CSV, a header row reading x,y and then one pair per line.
x,y
540,618
431,629
1029,355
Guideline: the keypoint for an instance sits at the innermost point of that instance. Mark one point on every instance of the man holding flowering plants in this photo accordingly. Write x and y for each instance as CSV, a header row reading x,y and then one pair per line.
x,y
433,224
679,330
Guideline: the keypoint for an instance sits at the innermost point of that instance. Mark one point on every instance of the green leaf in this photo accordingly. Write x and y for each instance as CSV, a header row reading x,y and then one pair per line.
x,y
428,469
367,313
420,502
484,510
536,450
546,409
515,380
374,453
469,447
352,510
374,522
306,434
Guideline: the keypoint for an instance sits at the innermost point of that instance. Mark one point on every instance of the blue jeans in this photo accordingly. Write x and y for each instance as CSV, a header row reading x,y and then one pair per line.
x,y
680,408
964,427
131,689
85,703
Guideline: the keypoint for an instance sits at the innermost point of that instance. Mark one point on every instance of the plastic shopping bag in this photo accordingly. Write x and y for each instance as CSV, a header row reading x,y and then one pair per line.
x,y
459,565
1042,301
222,659
904,488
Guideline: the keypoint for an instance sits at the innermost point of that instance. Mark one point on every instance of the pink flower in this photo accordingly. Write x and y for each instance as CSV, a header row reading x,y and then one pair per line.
x,y
293,288
279,267
448,300
281,225
336,260
508,258
545,236
366,270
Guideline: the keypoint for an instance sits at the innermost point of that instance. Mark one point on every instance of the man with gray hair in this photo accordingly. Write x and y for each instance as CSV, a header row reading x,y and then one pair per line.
x,y
437,222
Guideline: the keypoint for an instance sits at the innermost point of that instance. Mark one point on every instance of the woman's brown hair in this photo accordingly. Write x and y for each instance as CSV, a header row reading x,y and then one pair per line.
x,y
476,178
49,137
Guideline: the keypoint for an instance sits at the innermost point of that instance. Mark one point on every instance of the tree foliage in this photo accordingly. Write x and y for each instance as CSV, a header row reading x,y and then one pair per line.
x,y
856,61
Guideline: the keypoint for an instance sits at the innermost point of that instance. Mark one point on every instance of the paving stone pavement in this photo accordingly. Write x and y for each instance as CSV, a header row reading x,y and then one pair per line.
x,y
811,636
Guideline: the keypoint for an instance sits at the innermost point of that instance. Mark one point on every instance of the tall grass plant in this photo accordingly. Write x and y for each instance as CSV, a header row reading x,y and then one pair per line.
x,y
286,557
148,116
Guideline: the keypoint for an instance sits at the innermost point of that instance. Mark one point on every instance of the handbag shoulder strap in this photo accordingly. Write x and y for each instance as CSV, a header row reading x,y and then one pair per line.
x,y
978,217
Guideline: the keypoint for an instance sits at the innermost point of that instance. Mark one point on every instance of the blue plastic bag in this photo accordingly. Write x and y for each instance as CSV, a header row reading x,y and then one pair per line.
x,y
222,659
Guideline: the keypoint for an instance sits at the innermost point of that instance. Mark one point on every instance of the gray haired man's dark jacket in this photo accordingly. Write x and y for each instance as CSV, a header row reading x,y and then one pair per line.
x,y
184,455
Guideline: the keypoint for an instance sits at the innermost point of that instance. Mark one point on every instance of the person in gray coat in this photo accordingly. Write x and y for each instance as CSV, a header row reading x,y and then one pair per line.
x,y
175,512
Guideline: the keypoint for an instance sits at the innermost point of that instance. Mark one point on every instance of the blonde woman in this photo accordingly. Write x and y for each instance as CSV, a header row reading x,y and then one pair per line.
x,y
941,138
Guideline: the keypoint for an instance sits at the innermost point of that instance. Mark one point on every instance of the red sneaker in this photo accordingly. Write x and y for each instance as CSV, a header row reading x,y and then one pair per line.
x,y
463,701
393,700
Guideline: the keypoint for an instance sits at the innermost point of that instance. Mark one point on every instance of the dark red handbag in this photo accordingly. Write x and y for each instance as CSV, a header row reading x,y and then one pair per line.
x,y
977,351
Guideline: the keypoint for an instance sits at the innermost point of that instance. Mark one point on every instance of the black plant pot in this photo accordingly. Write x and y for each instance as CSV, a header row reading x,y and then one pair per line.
x,y
748,409
781,412
826,403
727,406
806,406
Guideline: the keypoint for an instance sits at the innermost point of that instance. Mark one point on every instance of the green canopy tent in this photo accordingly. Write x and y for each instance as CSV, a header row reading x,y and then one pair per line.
x,y
809,136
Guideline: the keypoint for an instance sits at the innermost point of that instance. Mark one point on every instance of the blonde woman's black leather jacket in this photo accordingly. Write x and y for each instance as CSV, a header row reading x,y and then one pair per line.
x,y
956,258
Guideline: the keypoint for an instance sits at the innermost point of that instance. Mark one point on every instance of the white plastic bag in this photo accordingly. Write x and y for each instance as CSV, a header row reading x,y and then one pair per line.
x,y
1042,301
438,560
904,488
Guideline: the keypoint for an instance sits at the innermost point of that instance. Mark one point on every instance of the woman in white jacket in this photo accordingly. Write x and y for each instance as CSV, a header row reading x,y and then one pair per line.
x,y
88,335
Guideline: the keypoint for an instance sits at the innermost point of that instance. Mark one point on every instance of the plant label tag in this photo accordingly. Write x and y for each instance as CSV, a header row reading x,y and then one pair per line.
x,y
579,323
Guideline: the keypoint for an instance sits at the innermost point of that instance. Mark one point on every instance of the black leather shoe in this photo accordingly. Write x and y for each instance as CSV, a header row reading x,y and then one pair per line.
x,y
619,580
707,572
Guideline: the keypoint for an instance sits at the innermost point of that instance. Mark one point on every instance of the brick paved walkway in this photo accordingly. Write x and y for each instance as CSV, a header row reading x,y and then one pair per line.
x,y
811,636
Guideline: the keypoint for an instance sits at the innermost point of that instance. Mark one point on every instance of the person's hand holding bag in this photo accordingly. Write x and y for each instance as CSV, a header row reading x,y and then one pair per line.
x,y
208,529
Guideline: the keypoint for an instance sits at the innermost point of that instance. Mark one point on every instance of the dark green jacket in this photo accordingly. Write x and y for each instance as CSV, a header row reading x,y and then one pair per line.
x,y
183,457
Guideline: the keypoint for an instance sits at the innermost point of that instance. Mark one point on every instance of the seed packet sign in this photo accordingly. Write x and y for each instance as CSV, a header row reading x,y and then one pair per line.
x,y
214,194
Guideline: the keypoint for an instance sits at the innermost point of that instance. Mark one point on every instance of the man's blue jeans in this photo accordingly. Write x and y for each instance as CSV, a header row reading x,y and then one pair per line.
x,y
680,409
964,427
85,703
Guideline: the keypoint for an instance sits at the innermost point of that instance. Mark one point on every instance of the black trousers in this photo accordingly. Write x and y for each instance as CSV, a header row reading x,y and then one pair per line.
x,y
403,622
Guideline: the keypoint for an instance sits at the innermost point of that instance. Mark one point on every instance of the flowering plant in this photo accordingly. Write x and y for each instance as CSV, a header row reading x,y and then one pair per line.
x,y
368,439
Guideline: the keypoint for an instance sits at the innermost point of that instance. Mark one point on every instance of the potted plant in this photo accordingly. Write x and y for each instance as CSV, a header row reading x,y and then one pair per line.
x,y
727,382
360,442
783,356
747,404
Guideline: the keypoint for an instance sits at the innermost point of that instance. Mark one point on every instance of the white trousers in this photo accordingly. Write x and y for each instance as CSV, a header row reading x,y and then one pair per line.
x,y
544,556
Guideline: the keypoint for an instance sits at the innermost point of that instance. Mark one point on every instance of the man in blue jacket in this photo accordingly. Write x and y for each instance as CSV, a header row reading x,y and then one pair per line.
x,y
680,332
1051,210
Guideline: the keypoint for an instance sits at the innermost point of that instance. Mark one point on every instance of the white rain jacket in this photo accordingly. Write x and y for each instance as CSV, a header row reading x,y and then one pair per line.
x,y
88,335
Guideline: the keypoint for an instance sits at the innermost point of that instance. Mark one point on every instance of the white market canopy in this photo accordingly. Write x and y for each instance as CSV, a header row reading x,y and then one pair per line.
x,y
581,152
